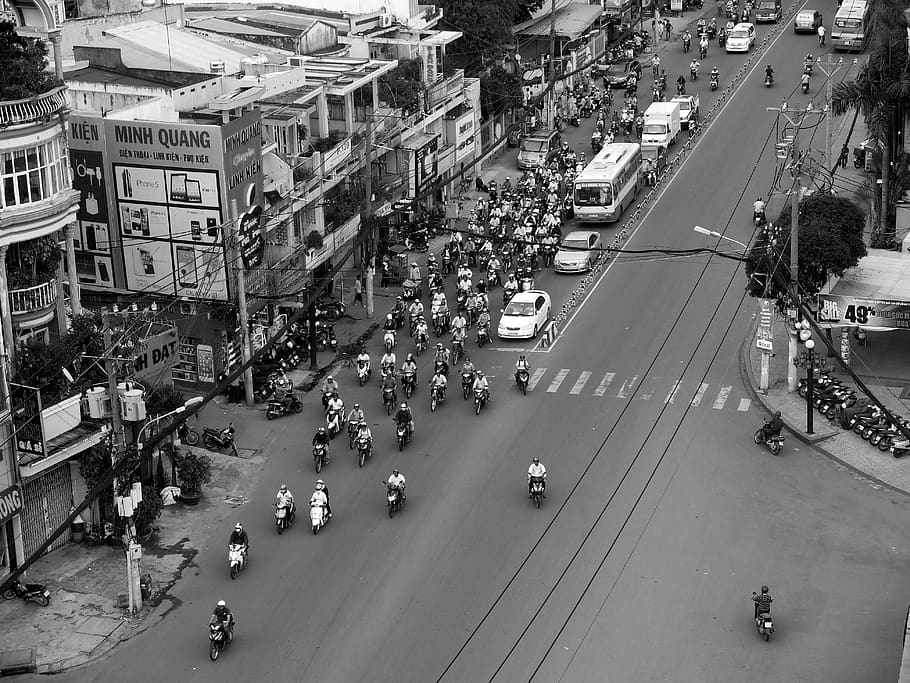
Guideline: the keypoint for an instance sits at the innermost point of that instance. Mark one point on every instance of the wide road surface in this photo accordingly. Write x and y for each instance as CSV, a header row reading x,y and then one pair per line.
x,y
661,515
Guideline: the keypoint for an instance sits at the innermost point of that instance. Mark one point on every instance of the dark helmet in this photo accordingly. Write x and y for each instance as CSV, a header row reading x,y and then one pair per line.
x,y
777,414
764,590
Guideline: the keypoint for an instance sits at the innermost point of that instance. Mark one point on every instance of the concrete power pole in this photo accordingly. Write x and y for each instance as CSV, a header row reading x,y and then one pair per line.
x,y
829,69
366,214
246,347
551,94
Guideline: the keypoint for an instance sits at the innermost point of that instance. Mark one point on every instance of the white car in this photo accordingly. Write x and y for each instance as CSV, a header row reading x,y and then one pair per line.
x,y
741,38
578,252
525,315
807,21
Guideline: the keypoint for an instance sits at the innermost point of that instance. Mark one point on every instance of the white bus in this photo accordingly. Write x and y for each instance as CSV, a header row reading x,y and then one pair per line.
x,y
849,29
608,184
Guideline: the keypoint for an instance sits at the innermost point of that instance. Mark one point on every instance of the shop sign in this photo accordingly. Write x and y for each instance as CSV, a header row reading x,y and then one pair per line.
x,y
425,168
10,503
27,421
837,310
464,136
252,246
156,356
205,363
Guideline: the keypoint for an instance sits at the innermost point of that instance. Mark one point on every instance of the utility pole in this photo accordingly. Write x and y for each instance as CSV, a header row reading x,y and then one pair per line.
x,y
551,95
795,191
366,214
829,69
246,348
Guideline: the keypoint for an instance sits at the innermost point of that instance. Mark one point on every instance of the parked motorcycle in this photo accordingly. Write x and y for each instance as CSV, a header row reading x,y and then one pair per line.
x,y
29,592
318,517
187,434
284,517
285,406
238,557
774,443
224,438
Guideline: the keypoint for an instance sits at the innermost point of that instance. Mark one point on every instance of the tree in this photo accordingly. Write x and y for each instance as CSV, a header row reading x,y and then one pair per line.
x,y
525,9
881,92
830,242
486,27
401,87
499,91
24,63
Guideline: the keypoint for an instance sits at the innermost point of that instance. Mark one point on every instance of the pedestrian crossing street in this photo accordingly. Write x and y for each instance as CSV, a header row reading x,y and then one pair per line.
x,y
609,385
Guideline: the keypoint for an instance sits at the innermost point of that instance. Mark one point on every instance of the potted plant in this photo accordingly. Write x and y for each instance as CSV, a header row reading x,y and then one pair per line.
x,y
314,240
193,470
146,513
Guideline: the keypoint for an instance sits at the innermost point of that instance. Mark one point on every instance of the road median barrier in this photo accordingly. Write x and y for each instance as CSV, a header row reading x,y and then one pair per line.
x,y
550,332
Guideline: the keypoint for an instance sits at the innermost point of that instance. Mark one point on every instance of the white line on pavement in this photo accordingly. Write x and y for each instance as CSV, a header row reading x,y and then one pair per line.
x,y
626,387
744,404
698,395
535,378
604,384
580,382
671,396
560,376
722,397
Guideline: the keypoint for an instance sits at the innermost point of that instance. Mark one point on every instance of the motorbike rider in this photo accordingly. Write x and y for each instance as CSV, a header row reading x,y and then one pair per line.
x,y
321,438
762,601
388,382
687,38
398,310
442,356
510,287
480,382
363,431
439,380
422,331
804,81
356,415
240,537
387,363
703,43
284,498
397,483
414,272
409,366
693,68
321,497
681,85
758,208
700,26
363,358
331,387
715,74
389,324
772,427
336,404
536,471
769,74
415,310
223,616
404,417
468,367
459,322
483,320
807,64
522,364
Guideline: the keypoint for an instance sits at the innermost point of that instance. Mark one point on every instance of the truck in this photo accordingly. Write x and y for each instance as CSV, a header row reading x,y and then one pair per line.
x,y
688,109
661,125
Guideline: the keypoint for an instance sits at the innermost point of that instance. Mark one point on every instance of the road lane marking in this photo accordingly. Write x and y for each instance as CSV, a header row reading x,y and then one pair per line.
x,y
698,395
560,376
580,382
644,219
535,378
722,397
744,404
649,392
626,386
671,396
604,384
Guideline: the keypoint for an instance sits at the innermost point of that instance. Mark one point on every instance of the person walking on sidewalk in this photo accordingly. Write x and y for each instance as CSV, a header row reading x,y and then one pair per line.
x,y
358,291
668,28
844,155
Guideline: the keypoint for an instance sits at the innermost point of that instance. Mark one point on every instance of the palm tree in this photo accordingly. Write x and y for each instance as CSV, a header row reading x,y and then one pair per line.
x,y
880,92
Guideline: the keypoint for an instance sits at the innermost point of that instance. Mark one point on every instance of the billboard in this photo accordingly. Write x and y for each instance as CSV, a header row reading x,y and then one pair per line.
x,y
168,192
836,310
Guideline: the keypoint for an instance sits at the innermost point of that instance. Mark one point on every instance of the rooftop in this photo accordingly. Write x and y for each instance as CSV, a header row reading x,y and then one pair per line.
x,y
281,19
573,20
161,79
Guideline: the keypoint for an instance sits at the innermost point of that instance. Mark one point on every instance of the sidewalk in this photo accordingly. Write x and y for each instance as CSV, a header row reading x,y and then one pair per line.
x,y
882,366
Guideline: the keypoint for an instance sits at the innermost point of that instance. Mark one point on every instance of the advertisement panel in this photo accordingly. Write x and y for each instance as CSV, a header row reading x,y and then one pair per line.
x,y
92,238
10,503
464,136
156,356
425,166
836,310
27,423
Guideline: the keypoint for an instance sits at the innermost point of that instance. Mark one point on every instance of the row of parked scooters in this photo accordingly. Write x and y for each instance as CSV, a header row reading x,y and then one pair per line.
x,y
833,399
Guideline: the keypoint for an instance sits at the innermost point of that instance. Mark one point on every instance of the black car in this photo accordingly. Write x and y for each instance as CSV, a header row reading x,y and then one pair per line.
x,y
616,75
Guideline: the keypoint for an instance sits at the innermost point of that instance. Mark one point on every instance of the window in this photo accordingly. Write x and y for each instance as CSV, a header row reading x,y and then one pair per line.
x,y
594,195
32,174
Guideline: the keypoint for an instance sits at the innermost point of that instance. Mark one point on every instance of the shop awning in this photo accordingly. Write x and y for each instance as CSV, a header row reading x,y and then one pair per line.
x,y
873,295
573,20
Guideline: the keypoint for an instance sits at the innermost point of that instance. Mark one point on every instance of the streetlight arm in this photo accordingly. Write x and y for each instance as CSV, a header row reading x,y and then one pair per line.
x,y
714,233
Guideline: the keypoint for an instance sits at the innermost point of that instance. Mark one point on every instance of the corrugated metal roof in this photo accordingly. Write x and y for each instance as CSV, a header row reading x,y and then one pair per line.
x,y
573,20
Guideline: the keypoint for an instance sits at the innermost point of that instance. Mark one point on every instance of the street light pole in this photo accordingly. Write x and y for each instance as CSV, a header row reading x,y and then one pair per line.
x,y
713,233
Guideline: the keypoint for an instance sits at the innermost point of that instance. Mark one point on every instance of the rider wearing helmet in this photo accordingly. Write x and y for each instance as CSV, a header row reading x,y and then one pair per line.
x,y
239,537
404,416
769,73
772,427
397,483
363,431
356,415
284,498
223,616
536,471
442,356
762,602
758,207
521,364
321,438
480,382
321,497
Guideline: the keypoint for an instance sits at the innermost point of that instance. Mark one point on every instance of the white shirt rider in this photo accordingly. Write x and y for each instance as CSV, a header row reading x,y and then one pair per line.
x,y
758,206
284,498
537,470
397,481
364,359
318,498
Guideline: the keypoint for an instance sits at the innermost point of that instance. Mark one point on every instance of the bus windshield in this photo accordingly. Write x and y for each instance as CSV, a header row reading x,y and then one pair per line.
x,y
594,195
848,23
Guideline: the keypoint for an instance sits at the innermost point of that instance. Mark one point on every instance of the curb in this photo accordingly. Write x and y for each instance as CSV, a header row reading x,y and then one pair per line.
x,y
745,367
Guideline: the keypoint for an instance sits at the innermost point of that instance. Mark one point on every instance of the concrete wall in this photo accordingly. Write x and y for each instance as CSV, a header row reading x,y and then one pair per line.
x,y
85,31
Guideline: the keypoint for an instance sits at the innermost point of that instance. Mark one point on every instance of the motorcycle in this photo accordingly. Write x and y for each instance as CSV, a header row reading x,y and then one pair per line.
x,y
457,351
854,422
758,217
29,592
389,399
395,499
278,407
402,434
320,456
408,383
318,517
441,366
467,381
714,82
693,74
900,448
352,432
764,624
774,443
483,336
363,372
687,43
214,438
574,120
521,379
422,344
480,400
389,341
537,490
769,79
437,397
439,323
364,450
237,559
702,51
187,434
333,423
680,88
219,639
805,86
284,517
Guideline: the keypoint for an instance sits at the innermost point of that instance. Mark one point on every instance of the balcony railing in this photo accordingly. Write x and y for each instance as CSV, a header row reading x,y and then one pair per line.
x,y
17,112
33,298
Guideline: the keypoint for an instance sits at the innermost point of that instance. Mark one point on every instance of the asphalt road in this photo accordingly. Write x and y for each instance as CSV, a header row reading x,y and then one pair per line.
x,y
661,515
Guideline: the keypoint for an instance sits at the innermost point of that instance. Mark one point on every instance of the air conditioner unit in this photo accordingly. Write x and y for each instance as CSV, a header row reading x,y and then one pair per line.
x,y
187,308
295,61
385,20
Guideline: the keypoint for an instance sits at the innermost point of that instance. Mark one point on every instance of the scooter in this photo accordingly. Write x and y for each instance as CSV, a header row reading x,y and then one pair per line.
x,y
537,490
389,340
333,423
439,323
363,372
763,624
480,400
437,397
402,435
318,517
774,443
467,381
422,344
285,406
284,517
758,217
805,87
364,450
237,559
408,383
900,448
714,82
29,592
320,456
389,399
687,43
521,379
395,499
214,438
769,79
483,336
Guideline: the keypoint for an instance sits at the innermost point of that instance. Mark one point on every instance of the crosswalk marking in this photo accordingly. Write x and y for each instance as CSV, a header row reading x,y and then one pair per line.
x,y
580,382
626,387
671,395
535,378
560,377
722,397
744,404
604,384
649,391
699,394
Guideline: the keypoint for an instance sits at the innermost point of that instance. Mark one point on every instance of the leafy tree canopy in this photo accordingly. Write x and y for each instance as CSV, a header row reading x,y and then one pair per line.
x,y
499,91
830,242
486,26
401,87
525,8
24,71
